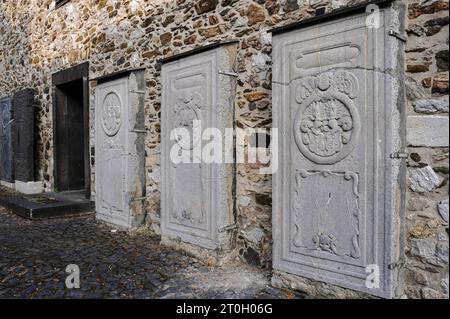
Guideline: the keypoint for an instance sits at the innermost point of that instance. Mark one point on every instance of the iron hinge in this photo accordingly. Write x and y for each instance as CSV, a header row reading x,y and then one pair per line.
x,y
139,131
399,155
397,35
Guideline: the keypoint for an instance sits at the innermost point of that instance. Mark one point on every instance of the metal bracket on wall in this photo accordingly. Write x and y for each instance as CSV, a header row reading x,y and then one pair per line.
x,y
138,199
139,131
400,262
228,73
137,91
396,34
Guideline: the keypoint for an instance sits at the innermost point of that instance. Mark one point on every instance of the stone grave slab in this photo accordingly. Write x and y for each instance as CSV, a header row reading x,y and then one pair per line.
x,y
119,148
337,102
196,196
6,152
23,135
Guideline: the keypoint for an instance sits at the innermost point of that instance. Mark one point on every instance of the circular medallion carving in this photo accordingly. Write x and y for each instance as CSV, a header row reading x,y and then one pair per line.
x,y
326,127
111,114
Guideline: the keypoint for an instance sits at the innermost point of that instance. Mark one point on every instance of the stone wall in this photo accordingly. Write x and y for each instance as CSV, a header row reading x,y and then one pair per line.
x,y
37,40
426,262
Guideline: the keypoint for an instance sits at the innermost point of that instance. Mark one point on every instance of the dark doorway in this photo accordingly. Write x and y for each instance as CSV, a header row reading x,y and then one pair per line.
x,y
71,130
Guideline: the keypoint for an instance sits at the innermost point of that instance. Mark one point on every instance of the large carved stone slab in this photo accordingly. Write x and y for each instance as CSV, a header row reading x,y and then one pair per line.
x,y
336,199
6,152
196,205
23,135
119,149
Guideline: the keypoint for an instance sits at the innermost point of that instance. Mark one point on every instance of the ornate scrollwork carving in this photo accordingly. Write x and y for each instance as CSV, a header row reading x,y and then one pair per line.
x,y
325,241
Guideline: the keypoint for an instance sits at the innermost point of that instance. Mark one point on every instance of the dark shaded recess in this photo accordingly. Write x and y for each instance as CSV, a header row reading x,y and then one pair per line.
x,y
70,136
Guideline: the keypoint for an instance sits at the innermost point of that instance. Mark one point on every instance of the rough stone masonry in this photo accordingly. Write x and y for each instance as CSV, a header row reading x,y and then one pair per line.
x,y
38,39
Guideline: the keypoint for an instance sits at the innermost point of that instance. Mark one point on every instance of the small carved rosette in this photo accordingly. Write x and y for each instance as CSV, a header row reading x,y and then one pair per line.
x,y
327,124
111,114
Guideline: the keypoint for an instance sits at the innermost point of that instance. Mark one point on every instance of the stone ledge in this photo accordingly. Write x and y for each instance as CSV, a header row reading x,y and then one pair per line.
x,y
29,187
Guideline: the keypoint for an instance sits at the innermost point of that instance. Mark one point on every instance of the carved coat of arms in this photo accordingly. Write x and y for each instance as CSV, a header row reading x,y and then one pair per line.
x,y
327,124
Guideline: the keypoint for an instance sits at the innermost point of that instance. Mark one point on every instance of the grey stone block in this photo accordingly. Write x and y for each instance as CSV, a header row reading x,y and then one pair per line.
x,y
119,149
443,209
423,180
339,109
431,106
427,131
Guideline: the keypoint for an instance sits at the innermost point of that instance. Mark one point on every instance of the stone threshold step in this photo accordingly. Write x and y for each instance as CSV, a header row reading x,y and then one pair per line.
x,y
49,205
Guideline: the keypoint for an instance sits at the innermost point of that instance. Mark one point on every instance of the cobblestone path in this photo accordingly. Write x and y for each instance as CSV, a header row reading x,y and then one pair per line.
x,y
34,256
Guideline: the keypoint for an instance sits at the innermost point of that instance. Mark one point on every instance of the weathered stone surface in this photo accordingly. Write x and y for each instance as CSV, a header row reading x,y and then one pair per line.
x,y
6,151
433,26
255,14
417,68
442,60
423,180
430,106
210,32
426,7
120,163
429,293
444,284
323,168
290,5
193,91
442,253
203,6
440,85
414,90
443,209
244,201
165,38
417,204
428,131
23,135
272,6
425,250
255,96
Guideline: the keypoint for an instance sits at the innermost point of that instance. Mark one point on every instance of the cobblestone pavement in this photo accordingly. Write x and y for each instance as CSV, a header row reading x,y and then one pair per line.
x,y
34,256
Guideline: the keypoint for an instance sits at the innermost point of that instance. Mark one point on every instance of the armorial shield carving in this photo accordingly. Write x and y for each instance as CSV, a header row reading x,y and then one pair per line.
x,y
186,111
327,123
